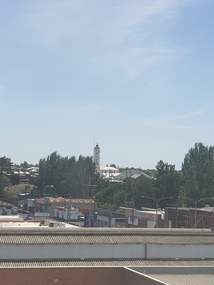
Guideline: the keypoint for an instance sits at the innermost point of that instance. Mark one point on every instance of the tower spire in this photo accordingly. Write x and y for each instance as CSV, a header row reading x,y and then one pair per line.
x,y
97,157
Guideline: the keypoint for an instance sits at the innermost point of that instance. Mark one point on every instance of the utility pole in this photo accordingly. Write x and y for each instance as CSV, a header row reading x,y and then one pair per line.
x,y
133,213
195,204
176,212
157,204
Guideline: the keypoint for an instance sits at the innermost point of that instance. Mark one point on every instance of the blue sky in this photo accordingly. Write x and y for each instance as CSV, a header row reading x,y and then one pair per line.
x,y
136,77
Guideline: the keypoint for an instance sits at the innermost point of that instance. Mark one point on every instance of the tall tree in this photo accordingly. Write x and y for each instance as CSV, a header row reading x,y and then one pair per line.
x,y
4,181
67,176
168,181
198,172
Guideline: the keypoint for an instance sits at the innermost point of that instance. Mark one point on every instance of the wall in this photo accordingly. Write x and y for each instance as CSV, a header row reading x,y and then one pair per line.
x,y
74,251
74,275
61,276
183,217
104,251
90,275
179,251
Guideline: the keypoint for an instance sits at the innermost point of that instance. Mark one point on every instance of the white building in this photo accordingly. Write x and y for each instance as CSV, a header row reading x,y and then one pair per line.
x,y
108,172
64,213
112,173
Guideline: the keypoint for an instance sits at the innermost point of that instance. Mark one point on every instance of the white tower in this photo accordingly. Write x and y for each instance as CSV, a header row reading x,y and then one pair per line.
x,y
97,157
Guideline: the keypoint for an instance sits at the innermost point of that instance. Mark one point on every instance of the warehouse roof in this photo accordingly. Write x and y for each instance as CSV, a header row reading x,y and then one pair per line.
x,y
181,279
108,263
43,235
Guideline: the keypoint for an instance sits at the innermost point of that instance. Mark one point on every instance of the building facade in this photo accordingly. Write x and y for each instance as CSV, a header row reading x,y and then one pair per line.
x,y
202,218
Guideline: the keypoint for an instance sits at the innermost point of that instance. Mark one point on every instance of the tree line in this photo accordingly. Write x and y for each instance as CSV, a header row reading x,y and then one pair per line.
x,y
66,176
76,178
193,184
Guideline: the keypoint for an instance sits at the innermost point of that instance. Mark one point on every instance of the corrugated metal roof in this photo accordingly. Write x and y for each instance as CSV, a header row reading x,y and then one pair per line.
x,y
103,236
102,239
187,279
107,263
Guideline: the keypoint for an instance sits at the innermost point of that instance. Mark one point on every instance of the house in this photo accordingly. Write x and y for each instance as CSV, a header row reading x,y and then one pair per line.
x,y
108,172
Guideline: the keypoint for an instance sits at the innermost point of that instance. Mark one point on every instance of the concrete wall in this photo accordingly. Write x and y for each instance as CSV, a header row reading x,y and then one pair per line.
x,y
179,251
74,251
104,251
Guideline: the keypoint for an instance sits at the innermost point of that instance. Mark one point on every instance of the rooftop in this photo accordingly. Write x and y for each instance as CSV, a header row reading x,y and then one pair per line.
x,y
145,264
76,235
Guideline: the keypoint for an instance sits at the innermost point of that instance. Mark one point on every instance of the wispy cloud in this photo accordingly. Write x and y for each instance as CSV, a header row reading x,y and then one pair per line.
x,y
72,110
135,60
51,21
127,36
175,121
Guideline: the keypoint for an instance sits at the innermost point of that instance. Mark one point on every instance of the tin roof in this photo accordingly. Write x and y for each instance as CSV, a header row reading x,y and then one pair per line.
x,y
43,235
181,279
107,263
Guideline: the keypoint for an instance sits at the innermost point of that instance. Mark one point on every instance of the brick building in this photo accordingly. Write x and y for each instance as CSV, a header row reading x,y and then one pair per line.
x,y
189,217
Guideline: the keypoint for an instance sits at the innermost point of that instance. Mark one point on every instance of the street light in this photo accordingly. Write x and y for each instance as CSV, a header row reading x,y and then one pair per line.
x,y
195,203
131,205
156,203
94,212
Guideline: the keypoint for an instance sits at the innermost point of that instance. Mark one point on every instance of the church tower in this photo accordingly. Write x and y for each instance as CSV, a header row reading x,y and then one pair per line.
x,y
97,157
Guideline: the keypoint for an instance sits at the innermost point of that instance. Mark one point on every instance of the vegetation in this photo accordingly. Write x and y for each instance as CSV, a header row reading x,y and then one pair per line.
x,y
66,177
198,173
75,178
4,181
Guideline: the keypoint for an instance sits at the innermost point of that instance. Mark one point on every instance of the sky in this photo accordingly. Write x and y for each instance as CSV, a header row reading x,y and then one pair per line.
x,y
136,77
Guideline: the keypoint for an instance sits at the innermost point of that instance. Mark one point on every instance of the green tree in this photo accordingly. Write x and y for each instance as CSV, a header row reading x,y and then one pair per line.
x,y
145,188
14,179
168,181
68,176
4,181
5,164
25,165
198,172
